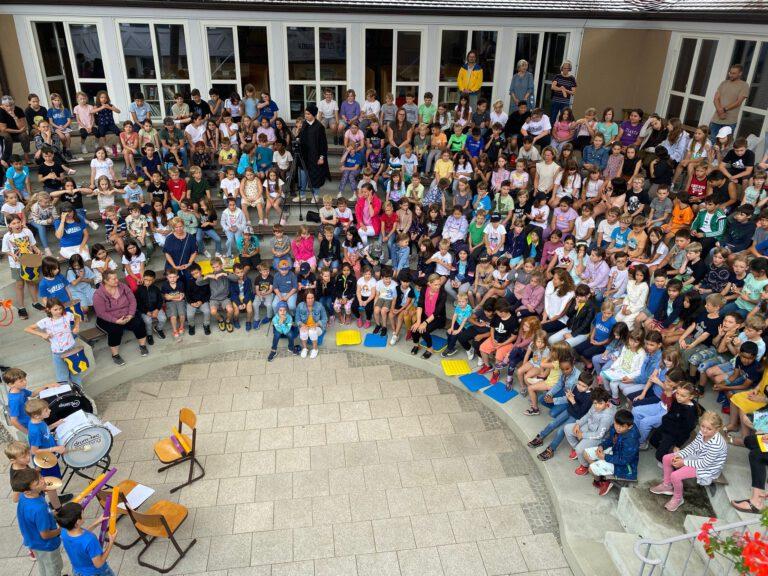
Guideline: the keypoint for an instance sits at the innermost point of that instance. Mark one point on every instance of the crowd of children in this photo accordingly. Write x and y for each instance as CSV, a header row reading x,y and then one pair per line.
x,y
612,272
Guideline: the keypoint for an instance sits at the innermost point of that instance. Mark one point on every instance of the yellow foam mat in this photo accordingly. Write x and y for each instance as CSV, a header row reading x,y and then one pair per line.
x,y
348,338
205,265
456,367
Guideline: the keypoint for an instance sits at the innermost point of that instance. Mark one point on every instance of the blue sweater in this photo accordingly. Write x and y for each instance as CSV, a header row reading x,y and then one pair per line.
x,y
564,383
626,452
597,157
234,291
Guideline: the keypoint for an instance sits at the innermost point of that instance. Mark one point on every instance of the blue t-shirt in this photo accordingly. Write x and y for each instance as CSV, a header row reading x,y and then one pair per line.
x,y
620,236
55,287
654,298
141,111
268,111
81,551
474,147
34,517
59,116
18,178
354,159
16,402
603,327
263,158
462,313
39,436
73,233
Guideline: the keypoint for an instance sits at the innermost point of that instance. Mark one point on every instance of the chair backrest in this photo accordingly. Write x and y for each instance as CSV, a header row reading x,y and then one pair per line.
x,y
152,524
187,417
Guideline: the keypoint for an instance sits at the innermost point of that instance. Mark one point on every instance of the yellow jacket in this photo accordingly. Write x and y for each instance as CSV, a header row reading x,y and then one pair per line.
x,y
470,81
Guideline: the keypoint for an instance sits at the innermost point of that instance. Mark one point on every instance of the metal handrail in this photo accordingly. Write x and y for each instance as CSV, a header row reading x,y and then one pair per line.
x,y
643,546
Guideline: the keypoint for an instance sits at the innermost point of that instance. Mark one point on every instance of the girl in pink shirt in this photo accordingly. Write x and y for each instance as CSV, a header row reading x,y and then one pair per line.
x,y
303,249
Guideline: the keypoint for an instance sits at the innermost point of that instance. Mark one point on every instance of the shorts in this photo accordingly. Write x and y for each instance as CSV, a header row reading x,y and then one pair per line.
x,y
382,303
739,380
15,273
251,261
327,122
221,304
250,203
69,251
54,472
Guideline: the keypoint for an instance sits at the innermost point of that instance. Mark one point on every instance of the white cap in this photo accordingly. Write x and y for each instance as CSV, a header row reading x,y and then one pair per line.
x,y
724,132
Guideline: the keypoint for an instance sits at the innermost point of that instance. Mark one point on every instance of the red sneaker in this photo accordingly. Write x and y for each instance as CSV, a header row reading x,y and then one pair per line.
x,y
726,409
495,377
484,370
407,335
581,470
573,455
604,488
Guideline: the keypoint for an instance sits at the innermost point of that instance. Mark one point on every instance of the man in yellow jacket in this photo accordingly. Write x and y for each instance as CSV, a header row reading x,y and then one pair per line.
x,y
470,78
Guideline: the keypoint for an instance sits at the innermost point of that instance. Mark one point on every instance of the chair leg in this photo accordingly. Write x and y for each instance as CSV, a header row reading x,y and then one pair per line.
x,y
191,479
181,552
127,546
174,463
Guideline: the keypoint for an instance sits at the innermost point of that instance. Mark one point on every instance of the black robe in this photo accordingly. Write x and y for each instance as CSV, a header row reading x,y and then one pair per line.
x,y
313,144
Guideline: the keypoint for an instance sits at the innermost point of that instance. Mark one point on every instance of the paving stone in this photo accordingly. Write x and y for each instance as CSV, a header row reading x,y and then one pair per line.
x,y
357,410
216,466
461,560
369,505
230,551
213,521
405,502
278,399
432,530
443,499
235,384
392,534
417,473
310,483
305,568
467,422
353,538
470,525
295,513
415,406
508,521
337,393
293,415
330,509
478,494
502,556
272,547
395,389
385,408
273,487
395,450
339,566
236,490
485,467
513,490
373,430
384,564
422,562
361,453
312,542
444,404
541,552
405,427
341,432
451,470
243,441
309,397
257,463
310,435
382,476
436,424
323,413
265,418
254,517
327,457
346,480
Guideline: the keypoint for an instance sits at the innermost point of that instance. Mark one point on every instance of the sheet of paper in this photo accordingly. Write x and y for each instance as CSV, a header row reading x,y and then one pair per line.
x,y
48,392
137,496
112,428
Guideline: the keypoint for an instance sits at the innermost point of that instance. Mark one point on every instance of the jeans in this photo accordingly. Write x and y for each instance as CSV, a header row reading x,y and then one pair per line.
x,y
304,184
453,338
327,302
232,239
580,445
557,424
714,128
42,233
63,375
291,338
555,110
573,341
291,304
159,321
202,234
647,418
266,301
182,154
204,309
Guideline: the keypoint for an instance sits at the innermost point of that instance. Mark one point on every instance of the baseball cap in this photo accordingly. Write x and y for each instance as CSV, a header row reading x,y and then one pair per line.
x,y
283,305
495,218
724,132
283,265
304,268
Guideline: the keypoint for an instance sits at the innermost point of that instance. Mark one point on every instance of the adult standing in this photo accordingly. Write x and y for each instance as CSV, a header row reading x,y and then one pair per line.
x,y
470,78
180,248
367,210
521,88
729,97
313,150
758,461
563,89
430,315
115,307
399,133
13,125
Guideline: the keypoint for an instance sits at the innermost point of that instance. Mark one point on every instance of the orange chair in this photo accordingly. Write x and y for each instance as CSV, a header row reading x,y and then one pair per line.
x,y
162,520
125,488
169,455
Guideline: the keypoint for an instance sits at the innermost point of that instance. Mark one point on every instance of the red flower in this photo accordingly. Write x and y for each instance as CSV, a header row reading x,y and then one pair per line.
x,y
755,554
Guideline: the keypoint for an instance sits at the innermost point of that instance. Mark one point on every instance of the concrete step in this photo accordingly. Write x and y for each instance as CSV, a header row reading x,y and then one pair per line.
x,y
717,566
737,486
681,559
643,513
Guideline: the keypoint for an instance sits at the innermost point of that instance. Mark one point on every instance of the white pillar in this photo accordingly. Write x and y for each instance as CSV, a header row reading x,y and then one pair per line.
x,y
356,59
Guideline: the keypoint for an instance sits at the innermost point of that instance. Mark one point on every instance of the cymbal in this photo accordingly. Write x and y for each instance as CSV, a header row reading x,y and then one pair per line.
x,y
45,459
52,483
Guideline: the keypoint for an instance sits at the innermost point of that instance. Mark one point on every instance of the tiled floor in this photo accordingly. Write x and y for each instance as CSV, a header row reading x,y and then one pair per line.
x,y
344,465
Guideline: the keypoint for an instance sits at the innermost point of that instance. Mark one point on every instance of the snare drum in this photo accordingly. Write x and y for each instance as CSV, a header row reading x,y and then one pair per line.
x,y
76,360
30,267
87,441
62,405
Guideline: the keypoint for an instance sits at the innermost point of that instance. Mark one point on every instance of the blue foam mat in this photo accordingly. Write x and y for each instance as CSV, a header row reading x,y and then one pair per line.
x,y
500,393
474,382
438,342
375,341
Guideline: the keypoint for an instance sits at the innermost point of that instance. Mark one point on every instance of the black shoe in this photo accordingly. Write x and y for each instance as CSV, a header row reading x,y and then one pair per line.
x,y
160,333
38,306
191,329
448,352
206,329
414,350
117,359
150,340
296,350
427,355
272,355
23,314
377,329
383,332
144,351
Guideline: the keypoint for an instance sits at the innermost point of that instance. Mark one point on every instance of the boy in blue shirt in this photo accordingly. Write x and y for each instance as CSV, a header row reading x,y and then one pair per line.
x,y
474,145
150,161
241,295
40,437
17,177
620,235
36,523
82,545
262,157
18,394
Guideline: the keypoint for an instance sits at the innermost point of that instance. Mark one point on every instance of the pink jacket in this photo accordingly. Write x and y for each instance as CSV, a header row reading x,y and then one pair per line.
x,y
110,309
303,248
533,297
375,219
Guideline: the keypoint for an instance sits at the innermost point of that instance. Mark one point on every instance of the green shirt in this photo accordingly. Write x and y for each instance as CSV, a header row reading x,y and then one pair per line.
x,y
427,113
197,189
456,143
476,233
504,204
190,221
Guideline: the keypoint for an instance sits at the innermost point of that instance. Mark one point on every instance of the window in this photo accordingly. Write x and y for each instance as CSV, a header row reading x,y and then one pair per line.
x,y
317,59
546,47
454,46
155,57
753,55
237,56
691,79
70,57
392,62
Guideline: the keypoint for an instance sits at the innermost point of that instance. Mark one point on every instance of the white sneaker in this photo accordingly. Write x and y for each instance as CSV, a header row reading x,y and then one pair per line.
x,y
93,225
207,254
313,354
282,221
470,353
304,352
72,171
339,195
218,255
83,149
353,198
314,199
393,340
480,362
48,252
297,199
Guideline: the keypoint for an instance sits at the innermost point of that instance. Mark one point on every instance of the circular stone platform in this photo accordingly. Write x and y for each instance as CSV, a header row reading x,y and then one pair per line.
x,y
348,464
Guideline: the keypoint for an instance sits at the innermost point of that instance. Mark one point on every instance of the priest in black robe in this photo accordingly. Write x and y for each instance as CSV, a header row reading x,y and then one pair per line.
x,y
313,148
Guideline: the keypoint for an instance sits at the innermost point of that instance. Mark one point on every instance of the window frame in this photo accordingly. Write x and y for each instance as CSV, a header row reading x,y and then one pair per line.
x,y
469,30
206,24
748,76
318,83
38,61
422,30
158,80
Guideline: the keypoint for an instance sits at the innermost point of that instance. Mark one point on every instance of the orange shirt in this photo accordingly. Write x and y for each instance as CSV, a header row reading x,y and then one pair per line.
x,y
681,216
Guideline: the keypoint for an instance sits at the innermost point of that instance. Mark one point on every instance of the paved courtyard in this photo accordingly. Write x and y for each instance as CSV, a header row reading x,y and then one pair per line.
x,y
347,465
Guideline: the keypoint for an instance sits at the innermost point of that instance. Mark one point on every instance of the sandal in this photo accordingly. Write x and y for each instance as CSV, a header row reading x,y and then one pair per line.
x,y
536,442
751,510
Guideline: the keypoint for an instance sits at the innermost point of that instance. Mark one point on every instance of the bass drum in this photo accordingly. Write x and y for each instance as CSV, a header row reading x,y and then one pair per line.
x,y
62,405
87,441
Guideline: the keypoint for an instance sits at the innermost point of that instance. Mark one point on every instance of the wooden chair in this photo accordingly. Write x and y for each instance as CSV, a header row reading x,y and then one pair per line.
x,y
125,487
169,455
162,520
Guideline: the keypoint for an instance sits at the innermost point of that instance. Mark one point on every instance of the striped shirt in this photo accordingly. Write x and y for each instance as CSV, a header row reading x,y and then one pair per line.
x,y
707,457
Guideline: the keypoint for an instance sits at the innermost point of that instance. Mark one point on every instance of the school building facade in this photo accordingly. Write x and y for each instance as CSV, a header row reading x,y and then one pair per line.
x,y
663,56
